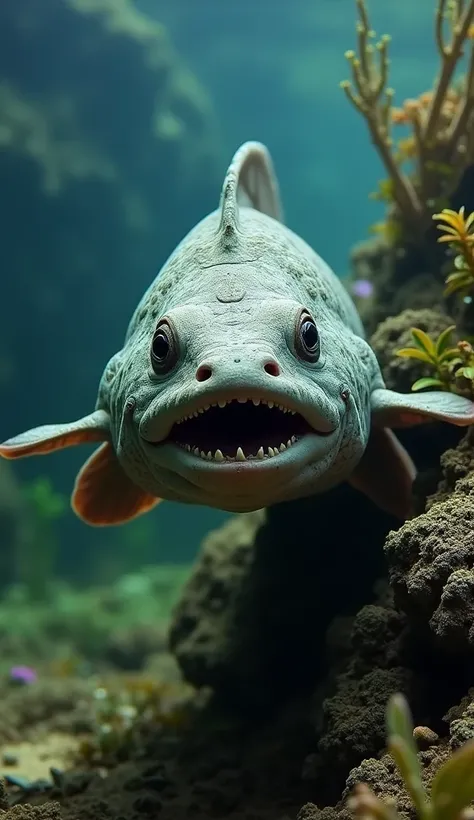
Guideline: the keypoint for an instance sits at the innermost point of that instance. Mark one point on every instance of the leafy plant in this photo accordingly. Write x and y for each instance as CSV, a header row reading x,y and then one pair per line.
x,y
452,788
459,234
439,354
46,502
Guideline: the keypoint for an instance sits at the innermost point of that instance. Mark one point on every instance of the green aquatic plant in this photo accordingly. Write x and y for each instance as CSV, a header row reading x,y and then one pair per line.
x,y
123,706
438,354
48,504
452,788
37,559
425,167
453,365
459,235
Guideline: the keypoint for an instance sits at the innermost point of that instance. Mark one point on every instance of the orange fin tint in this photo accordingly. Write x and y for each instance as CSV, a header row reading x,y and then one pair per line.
x,y
42,440
103,494
386,473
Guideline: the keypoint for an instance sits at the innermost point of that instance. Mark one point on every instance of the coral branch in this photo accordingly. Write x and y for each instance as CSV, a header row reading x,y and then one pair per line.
x,y
370,84
450,55
441,146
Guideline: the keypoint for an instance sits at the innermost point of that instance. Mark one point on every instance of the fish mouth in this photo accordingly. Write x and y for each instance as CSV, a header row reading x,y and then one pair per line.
x,y
241,429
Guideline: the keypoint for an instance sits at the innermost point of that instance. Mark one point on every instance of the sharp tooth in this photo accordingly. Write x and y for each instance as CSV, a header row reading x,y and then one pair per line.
x,y
289,442
206,406
202,454
293,439
209,456
282,448
196,451
218,455
260,453
241,401
256,402
200,409
293,412
195,414
188,448
271,451
239,456
222,403
271,404
214,404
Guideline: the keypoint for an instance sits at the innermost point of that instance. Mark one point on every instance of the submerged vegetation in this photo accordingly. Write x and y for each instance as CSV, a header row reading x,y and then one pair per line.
x,y
453,365
458,233
451,790
123,707
426,166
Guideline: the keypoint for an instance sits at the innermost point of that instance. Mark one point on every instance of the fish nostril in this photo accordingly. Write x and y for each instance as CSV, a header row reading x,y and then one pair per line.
x,y
203,373
271,367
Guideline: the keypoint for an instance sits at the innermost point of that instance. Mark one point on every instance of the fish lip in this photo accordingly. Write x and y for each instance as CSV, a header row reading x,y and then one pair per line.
x,y
230,466
319,425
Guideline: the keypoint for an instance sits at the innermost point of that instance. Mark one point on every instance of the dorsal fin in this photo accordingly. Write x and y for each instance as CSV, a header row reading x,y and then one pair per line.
x,y
250,181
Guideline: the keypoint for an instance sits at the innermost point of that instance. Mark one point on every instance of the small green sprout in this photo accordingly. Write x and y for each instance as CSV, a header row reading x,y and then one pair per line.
x,y
452,788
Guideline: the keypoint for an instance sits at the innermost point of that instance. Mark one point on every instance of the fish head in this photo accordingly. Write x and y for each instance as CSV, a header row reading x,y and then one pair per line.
x,y
238,403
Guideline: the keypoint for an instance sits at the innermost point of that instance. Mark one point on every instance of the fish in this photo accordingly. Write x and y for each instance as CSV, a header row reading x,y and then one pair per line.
x,y
244,380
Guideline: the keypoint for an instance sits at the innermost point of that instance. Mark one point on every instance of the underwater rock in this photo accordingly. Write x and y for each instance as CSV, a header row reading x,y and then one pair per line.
x,y
461,721
354,718
400,281
430,568
49,811
58,704
204,621
350,722
252,619
393,334
456,463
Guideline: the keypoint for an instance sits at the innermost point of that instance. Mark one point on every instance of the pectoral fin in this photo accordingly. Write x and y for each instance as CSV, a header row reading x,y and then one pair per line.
x,y
391,409
386,473
103,494
42,440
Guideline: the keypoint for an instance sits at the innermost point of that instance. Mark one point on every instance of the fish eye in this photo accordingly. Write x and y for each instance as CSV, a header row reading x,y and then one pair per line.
x,y
164,349
307,338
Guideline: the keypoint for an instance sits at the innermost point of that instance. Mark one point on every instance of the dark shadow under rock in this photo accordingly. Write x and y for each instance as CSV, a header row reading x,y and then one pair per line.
x,y
252,620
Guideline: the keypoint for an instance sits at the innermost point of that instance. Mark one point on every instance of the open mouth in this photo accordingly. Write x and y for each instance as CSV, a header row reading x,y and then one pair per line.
x,y
240,430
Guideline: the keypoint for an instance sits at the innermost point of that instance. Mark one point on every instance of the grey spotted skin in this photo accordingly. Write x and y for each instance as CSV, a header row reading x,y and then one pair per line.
x,y
244,379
